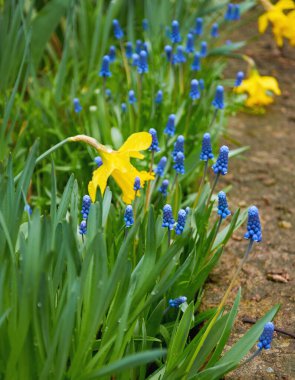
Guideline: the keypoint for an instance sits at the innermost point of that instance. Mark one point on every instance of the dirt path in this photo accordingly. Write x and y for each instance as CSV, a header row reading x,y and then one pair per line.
x,y
266,178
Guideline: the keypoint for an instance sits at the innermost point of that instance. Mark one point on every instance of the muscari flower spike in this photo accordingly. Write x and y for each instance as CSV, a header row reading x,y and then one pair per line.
x,y
179,163
203,49
83,227
170,126
77,105
222,208
179,56
239,78
214,30
168,51
218,101
86,203
138,46
181,219
168,220
136,185
199,26
98,161
194,92
143,65
187,210
128,216
128,50
228,16
178,146
236,13
253,226
163,189
118,32
202,84
123,107
206,153
175,35
108,93
145,48
161,167
221,164
177,301
112,53
159,97
28,209
131,97
145,24
135,59
266,337
190,43
196,66
155,143
105,67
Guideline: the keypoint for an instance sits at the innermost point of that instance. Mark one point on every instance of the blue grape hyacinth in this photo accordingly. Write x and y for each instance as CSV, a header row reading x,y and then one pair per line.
x,y
123,107
229,12
203,49
138,45
131,97
206,153
168,220
142,67
136,185
177,301
214,30
170,126
202,84
179,163
105,67
144,47
218,101
163,189
128,216
181,219
98,161
161,167
118,32
112,53
77,105
180,56
222,208
236,13
145,24
266,337
86,203
194,92
83,228
135,59
159,97
175,34
128,50
199,26
254,232
28,209
155,143
239,78
196,65
221,164
168,51
190,43
178,146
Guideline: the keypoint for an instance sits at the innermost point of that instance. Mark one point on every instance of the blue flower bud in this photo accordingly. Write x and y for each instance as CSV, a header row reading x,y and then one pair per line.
x,y
214,30
168,220
112,53
144,47
175,35
229,12
108,93
266,337
161,167
83,228
194,92
128,216
131,97
218,101
28,209
118,32
145,24
98,161
179,56
159,97
170,126
190,43
77,105
180,222
202,84
236,13
155,143
253,226
128,50
86,203
187,210
199,26
123,107
168,51
105,67
203,50
178,146
177,301
136,185
179,163
135,59
196,66
222,208
143,65
239,78
206,153
164,187
221,164
138,46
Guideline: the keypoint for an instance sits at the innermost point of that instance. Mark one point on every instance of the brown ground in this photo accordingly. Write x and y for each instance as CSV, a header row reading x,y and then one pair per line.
x,y
266,178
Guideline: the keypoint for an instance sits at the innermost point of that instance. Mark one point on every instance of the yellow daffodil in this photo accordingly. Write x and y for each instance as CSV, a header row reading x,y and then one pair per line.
x,y
281,25
117,164
258,88
291,31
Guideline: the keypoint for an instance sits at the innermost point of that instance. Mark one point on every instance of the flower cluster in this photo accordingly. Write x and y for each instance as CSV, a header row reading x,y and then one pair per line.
x,y
86,203
176,302
169,222
265,338
128,216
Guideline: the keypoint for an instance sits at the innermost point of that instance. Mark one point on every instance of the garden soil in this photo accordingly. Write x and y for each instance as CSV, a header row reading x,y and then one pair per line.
x,y
265,177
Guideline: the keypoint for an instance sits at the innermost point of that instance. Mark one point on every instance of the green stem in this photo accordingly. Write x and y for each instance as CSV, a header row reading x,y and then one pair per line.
x,y
125,63
147,197
169,237
213,187
201,184
188,119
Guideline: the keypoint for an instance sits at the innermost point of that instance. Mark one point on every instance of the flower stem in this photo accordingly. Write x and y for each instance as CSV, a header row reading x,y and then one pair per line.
x,y
188,119
201,184
256,353
148,190
169,237
125,63
213,187
213,118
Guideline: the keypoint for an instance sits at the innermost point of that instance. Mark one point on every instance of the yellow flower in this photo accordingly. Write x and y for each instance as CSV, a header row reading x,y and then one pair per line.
x,y
117,164
291,31
258,88
281,25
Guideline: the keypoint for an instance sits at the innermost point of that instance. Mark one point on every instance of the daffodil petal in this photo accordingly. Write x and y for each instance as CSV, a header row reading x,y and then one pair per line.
x,y
99,179
285,4
270,83
135,143
262,23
